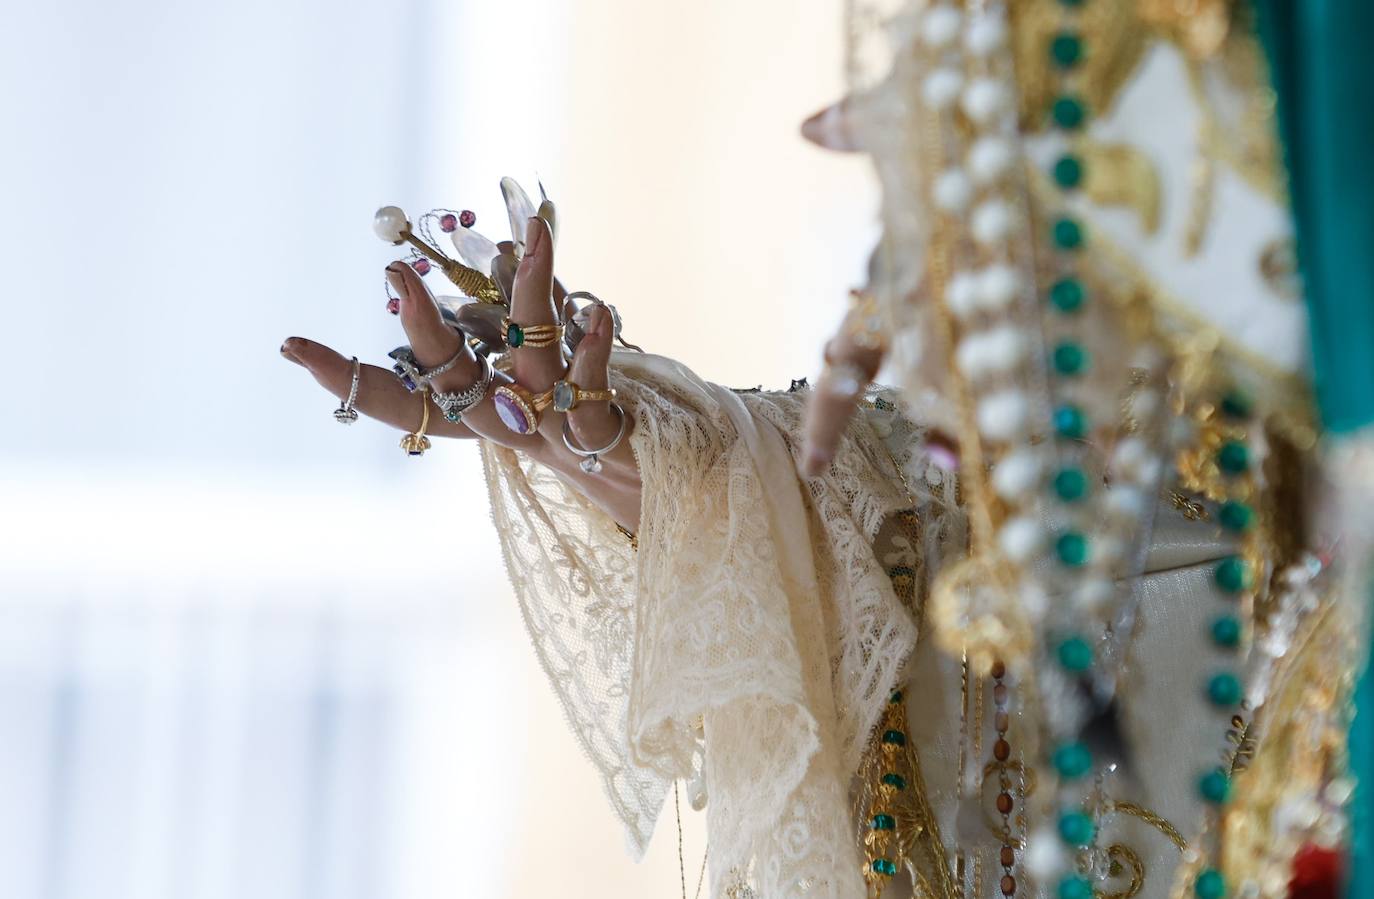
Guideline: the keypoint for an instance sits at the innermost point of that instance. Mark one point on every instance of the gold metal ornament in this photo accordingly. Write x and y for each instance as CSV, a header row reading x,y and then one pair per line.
x,y
417,443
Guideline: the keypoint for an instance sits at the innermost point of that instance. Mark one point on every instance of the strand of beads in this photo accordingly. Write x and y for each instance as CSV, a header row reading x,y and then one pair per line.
x,y
1002,765
882,825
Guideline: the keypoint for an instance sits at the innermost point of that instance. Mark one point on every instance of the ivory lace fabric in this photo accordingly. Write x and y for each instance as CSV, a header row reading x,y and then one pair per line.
x,y
755,604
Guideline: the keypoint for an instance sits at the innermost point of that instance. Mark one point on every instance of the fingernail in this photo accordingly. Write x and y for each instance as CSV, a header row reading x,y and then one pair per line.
x,y
397,281
396,267
828,128
534,235
286,351
815,462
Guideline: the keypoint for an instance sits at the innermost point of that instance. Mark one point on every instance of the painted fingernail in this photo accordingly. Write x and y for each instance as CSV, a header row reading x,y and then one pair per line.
x,y
534,236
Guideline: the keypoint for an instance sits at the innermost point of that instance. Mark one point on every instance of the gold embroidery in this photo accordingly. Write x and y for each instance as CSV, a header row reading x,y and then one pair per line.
x,y
1122,857
1156,821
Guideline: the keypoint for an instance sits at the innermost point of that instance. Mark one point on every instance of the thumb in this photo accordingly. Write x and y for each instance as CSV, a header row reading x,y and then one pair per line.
x,y
593,423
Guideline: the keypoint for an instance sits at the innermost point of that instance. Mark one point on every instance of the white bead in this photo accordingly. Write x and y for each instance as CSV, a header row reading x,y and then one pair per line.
x,y
390,223
991,222
1021,539
1126,501
997,286
985,34
972,357
1005,348
940,26
961,294
1093,595
1035,602
1144,404
952,190
1133,460
989,159
1017,474
1108,550
984,100
1045,858
941,88
1002,415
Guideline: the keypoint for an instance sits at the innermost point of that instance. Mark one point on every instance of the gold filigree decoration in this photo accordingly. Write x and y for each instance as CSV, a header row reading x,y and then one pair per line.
x,y
1122,858
1121,175
1155,820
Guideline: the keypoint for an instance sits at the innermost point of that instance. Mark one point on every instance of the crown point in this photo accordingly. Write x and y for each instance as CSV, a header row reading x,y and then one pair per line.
x,y
391,224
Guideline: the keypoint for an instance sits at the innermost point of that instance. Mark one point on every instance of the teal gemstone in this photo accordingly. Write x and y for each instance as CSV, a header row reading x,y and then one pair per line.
x,y
1236,405
1067,234
894,738
1068,172
1210,885
1073,760
1235,516
1226,631
1232,575
1070,484
1076,828
515,335
1075,887
895,697
1067,295
1075,654
1214,786
1070,359
1223,689
1072,549
1070,422
1069,113
896,781
884,866
1233,457
884,822
1066,49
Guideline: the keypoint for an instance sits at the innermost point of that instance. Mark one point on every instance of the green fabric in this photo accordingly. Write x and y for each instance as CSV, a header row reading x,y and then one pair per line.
x,y
1323,70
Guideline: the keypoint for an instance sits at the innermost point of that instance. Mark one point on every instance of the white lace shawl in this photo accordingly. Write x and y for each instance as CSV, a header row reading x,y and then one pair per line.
x,y
755,604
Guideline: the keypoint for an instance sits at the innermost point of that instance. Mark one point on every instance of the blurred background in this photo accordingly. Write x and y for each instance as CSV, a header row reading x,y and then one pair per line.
x,y
244,652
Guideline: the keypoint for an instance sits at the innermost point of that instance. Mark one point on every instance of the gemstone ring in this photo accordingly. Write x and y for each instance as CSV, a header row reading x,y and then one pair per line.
x,y
567,396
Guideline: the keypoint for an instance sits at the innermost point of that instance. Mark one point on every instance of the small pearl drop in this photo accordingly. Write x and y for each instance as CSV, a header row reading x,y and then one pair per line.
x,y
1144,404
1016,475
1126,501
1093,595
972,357
952,190
1133,460
997,286
985,35
1021,539
390,223
1005,347
940,26
1045,858
991,222
989,159
941,88
961,294
1002,416
984,99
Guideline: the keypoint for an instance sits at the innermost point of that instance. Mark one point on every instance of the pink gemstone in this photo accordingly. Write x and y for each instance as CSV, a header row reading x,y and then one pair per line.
x,y
942,450
421,266
467,218
511,415
393,306
448,222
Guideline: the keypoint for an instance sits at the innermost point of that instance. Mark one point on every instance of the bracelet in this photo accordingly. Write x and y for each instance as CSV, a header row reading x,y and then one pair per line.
x,y
454,405
590,463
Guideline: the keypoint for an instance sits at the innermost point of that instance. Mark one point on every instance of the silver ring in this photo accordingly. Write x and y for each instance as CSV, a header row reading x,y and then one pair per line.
x,y
346,414
590,463
454,405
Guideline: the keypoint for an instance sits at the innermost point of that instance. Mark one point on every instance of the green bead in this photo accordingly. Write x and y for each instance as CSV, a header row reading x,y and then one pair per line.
x,y
453,415
1236,405
1075,654
1070,359
1214,786
1209,885
1233,457
515,335
1223,689
1069,113
1068,172
1073,760
1072,4
1235,516
895,697
1067,234
1072,549
1226,631
884,866
894,738
1232,575
1066,49
1070,422
1075,887
1076,828
1071,484
896,781
884,822
1067,295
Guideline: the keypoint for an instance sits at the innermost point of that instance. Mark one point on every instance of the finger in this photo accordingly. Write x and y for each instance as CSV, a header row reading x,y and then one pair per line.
x,y
536,368
849,369
595,423
833,127
380,394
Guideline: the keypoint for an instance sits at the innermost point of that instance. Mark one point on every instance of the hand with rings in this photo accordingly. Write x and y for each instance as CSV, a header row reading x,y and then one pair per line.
x,y
560,412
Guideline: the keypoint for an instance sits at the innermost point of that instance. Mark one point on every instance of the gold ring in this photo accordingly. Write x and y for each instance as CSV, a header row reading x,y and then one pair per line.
x,y
532,336
416,444
567,396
